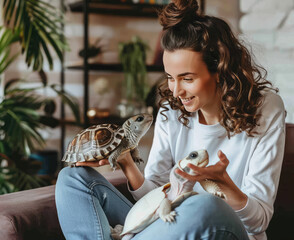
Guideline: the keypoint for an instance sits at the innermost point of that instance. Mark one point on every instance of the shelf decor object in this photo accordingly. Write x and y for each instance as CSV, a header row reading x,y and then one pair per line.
x,y
114,8
132,55
118,8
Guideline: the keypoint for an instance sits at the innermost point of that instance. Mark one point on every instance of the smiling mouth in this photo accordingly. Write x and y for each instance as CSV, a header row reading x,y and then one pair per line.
x,y
185,100
203,163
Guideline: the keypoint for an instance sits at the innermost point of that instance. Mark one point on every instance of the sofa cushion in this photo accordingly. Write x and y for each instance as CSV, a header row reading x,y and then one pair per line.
x,y
30,215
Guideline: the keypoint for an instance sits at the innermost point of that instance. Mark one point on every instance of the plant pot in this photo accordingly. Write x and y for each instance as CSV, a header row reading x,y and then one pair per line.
x,y
48,159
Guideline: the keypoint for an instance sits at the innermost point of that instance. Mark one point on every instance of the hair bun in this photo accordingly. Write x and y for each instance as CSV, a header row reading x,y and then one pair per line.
x,y
178,11
187,4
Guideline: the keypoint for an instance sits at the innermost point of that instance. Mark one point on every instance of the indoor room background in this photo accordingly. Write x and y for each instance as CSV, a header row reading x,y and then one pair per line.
x,y
264,25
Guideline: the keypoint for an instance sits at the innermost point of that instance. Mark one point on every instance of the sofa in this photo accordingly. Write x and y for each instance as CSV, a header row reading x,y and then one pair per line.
x,y
31,214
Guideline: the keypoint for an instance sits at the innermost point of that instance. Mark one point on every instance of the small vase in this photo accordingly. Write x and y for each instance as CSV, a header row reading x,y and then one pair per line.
x,y
130,108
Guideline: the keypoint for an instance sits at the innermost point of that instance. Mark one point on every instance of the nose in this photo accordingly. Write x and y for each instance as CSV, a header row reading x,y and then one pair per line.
x,y
177,90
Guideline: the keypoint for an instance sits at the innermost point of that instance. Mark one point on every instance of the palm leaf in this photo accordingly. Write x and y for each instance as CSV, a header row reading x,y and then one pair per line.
x,y
5,185
23,131
47,53
69,100
20,110
8,37
42,21
10,6
13,179
6,61
21,117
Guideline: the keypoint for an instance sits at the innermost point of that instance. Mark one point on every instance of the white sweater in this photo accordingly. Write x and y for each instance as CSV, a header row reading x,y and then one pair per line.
x,y
255,162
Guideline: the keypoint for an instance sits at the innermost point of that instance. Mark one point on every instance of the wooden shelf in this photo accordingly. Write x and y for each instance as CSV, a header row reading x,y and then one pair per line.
x,y
113,119
116,67
118,8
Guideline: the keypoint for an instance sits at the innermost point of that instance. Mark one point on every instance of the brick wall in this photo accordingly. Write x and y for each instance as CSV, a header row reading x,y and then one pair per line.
x,y
268,26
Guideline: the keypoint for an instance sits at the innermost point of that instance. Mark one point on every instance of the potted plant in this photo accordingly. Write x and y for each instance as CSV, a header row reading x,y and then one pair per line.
x,y
35,27
132,56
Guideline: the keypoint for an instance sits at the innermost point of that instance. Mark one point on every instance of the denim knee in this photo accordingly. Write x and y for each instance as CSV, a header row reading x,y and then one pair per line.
x,y
67,176
64,174
207,208
202,216
211,214
79,176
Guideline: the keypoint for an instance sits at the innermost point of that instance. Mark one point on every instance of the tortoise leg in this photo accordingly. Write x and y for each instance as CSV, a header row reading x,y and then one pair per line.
x,y
136,156
165,212
116,231
113,156
72,165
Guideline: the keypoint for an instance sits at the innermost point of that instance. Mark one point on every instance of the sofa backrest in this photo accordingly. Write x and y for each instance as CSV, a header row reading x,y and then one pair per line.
x,y
285,196
281,225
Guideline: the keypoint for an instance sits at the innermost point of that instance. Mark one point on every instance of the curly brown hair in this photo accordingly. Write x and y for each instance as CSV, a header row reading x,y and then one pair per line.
x,y
241,80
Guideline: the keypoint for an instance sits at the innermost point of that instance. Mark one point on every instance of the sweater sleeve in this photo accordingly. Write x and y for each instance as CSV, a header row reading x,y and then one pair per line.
x,y
159,161
264,168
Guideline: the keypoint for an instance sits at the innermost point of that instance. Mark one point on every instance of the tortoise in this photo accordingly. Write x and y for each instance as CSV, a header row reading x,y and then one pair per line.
x,y
160,202
108,141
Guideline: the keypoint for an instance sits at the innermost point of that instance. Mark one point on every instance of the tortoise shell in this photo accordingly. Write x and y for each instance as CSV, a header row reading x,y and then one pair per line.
x,y
94,143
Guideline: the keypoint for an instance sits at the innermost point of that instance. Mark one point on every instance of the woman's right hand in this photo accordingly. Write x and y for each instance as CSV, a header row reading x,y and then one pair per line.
x,y
99,163
127,165
122,160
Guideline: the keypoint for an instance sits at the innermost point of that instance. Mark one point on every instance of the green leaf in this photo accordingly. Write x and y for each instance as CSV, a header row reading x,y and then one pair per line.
x,y
14,179
40,25
6,40
70,101
133,57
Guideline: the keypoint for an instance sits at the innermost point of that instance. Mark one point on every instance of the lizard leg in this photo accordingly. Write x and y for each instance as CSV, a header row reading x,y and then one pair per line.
x,y
165,212
212,187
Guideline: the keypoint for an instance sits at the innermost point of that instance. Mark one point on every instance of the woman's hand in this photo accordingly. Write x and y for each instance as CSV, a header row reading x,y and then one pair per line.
x,y
122,159
217,173
126,163
92,163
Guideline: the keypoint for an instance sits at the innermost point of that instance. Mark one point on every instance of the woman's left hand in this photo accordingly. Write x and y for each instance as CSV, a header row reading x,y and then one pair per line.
x,y
218,173
215,172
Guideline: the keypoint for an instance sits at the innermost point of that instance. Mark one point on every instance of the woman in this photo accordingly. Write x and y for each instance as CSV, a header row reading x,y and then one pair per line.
x,y
216,98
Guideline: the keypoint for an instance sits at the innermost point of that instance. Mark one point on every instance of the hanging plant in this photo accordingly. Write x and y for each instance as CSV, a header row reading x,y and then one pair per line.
x,y
132,55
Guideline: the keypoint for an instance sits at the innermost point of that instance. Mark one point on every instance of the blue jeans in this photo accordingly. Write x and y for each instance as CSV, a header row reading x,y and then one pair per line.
x,y
87,204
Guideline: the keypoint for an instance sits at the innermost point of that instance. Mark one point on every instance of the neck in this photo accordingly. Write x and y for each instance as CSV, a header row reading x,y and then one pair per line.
x,y
209,114
131,136
179,185
207,118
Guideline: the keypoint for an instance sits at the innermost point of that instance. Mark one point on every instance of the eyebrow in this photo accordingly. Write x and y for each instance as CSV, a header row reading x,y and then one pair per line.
x,y
183,74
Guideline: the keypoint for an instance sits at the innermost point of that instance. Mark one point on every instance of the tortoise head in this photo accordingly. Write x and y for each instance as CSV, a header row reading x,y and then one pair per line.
x,y
198,158
135,127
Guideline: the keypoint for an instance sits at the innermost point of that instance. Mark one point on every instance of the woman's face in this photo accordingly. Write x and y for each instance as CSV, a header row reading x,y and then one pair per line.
x,y
190,81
